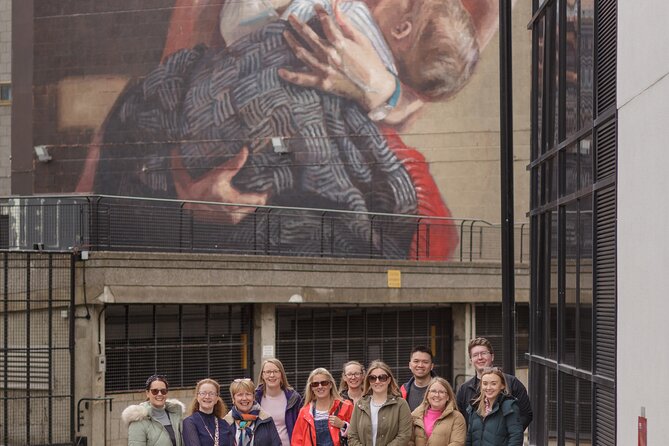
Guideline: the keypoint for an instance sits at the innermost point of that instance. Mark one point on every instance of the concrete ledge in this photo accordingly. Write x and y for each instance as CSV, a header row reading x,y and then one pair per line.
x,y
120,277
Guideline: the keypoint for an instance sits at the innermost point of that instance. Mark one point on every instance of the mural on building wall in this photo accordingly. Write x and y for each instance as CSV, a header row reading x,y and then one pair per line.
x,y
298,104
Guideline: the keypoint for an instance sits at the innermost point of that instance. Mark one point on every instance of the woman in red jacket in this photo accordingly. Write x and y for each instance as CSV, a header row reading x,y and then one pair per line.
x,y
324,417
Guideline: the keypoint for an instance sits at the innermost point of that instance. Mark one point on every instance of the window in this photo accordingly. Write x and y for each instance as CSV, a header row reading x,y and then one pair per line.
x,y
573,173
184,342
328,337
489,326
5,93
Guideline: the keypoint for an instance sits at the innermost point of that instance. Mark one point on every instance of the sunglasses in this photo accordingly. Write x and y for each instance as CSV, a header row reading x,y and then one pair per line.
x,y
315,384
157,391
381,378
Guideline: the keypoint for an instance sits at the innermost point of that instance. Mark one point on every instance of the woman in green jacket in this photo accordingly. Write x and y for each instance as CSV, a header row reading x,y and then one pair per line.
x,y
494,417
157,421
381,417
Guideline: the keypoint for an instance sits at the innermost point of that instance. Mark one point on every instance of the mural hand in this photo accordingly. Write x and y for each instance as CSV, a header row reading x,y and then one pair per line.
x,y
216,186
344,63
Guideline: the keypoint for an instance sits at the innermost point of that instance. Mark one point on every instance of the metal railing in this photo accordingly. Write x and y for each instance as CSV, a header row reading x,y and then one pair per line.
x,y
112,223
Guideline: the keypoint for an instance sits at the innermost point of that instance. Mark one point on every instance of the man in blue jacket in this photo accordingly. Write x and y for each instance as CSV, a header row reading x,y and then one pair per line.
x,y
482,356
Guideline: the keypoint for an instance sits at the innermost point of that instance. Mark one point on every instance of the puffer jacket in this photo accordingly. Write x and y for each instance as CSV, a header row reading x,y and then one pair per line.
x,y
144,430
501,427
264,432
394,423
448,430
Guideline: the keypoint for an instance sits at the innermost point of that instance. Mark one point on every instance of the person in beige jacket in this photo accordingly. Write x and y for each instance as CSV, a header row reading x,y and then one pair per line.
x,y
381,417
437,420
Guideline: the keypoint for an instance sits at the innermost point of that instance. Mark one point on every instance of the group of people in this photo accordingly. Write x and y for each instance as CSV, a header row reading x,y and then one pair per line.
x,y
367,408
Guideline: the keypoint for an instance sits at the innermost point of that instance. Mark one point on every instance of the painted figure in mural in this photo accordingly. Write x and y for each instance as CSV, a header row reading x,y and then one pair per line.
x,y
200,126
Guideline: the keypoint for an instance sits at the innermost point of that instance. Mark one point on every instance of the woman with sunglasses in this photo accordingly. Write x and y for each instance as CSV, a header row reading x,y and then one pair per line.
x,y
323,420
437,421
350,387
494,417
205,426
382,417
278,398
156,421
248,424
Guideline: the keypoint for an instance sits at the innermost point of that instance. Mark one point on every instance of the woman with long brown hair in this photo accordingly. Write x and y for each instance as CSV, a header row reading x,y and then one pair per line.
x,y
382,416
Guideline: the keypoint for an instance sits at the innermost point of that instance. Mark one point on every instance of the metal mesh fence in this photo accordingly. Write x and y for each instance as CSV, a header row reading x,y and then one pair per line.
x,y
130,224
35,349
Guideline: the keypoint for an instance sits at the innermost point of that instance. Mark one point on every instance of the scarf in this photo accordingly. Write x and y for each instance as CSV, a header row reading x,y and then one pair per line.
x,y
245,423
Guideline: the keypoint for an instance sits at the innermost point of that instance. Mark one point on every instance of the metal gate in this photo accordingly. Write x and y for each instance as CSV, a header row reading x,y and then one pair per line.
x,y
36,348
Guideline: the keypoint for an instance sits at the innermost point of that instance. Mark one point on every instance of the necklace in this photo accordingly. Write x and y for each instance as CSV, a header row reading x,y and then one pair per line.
x,y
377,405
214,437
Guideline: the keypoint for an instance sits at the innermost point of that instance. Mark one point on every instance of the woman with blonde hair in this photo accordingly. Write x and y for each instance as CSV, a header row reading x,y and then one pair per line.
x,y
323,420
494,417
278,398
205,426
437,420
249,424
350,386
382,417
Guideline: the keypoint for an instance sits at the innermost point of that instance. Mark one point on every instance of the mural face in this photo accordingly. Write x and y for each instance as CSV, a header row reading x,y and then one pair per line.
x,y
298,104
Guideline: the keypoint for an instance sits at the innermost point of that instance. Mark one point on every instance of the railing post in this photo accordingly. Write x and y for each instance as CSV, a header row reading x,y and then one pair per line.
x,y
181,224
462,234
322,233
418,238
471,240
267,240
371,237
522,228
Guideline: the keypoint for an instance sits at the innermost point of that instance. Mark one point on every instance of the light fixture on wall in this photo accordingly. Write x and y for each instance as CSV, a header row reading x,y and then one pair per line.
x,y
42,153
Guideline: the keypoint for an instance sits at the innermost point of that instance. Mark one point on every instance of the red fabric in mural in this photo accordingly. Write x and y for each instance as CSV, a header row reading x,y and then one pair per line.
x,y
439,242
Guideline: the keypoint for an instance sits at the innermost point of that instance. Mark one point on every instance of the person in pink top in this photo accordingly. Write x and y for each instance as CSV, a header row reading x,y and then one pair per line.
x,y
437,420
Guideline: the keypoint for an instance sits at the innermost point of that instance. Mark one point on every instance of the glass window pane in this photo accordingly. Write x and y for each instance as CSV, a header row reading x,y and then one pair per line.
x,y
539,105
570,321
572,69
555,87
571,169
586,41
585,162
569,409
553,314
552,407
584,419
585,283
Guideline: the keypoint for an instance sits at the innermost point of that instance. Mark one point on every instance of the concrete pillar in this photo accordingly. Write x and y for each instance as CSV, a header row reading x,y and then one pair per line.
x,y
463,330
264,334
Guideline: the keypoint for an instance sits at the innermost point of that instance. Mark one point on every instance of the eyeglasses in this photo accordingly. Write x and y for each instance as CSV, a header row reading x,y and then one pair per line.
x,y
211,394
353,375
481,354
157,391
381,378
271,372
315,384
437,392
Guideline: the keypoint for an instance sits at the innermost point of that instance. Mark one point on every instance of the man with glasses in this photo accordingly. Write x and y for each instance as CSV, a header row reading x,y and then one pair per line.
x,y
482,356
421,365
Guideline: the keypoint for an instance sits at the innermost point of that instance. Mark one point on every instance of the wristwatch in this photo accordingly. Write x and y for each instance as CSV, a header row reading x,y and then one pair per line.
x,y
379,113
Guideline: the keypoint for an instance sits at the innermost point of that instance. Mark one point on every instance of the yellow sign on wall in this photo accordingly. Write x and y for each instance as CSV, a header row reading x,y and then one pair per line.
x,y
394,278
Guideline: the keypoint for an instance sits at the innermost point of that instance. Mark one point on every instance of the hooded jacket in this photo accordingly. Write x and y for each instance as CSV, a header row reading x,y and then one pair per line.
x,y
293,404
144,430
394,423
264,432
449,429
501,427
